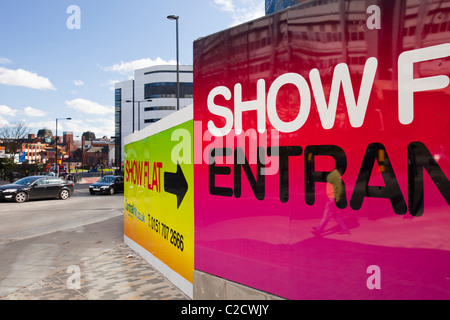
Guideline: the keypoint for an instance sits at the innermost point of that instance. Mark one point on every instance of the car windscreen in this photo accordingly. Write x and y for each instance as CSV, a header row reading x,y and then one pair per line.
x,y
25,181
106,179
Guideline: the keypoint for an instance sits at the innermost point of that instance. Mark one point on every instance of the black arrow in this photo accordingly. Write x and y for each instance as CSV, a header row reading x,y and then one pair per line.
x,y
176,184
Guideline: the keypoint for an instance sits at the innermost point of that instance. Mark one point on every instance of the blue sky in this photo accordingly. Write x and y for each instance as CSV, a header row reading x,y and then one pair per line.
x,y
49,71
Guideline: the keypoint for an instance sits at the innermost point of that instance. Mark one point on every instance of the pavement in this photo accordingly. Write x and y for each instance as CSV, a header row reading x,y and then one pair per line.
x,y
108,269
117,274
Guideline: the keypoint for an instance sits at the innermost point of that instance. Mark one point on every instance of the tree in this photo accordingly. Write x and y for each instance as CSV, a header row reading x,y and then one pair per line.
x,y
13,136
6,167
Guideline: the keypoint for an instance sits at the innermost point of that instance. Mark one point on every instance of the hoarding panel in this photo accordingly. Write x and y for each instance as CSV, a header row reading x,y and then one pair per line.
x,y
159,196
329,98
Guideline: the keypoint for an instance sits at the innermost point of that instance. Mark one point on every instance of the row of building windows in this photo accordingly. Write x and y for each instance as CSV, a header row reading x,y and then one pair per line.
x,y
428,28
167,71
317,36
327,36
277,5
160,108
335,36
117,124
322,63
168,90
151,120
117,95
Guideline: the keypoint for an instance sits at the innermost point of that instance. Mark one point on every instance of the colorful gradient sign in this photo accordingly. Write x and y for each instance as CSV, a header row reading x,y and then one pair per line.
x,y
159,215
323,139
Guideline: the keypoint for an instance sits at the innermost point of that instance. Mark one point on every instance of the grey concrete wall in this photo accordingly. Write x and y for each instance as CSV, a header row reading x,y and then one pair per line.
x,y
209,287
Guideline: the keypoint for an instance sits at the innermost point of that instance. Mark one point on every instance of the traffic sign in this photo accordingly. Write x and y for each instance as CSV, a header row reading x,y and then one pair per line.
x,y
22,156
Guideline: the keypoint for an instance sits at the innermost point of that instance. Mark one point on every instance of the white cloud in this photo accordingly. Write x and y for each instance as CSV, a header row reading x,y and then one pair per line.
x,y
225,5
100,126
5,61
78,82
32,112
47,124
242,10
3,122
103,126
50,124
7,111
89,107
24,78
110,84
127,67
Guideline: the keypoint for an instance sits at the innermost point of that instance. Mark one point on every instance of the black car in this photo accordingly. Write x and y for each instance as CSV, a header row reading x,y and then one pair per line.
x,y
107,184
37,187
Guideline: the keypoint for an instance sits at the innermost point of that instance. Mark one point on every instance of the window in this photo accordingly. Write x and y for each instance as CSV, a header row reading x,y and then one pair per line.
x,y
118,94
159,108
435,28
117,124
167,71
168,90
41,182
151,120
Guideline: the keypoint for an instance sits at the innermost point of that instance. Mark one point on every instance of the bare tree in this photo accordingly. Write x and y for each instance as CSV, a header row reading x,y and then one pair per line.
x,y
13,136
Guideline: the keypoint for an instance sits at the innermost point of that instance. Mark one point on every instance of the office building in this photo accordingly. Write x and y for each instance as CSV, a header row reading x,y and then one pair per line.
x,y
277,5
149,97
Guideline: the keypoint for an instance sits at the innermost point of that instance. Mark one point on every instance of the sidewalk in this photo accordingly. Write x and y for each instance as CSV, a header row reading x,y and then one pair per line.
x,y
115,274
118,274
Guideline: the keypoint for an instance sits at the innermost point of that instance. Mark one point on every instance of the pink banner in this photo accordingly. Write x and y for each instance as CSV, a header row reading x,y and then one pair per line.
x,y
321,141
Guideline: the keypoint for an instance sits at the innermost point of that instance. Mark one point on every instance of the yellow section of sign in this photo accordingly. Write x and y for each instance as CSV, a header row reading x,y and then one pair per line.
x,y
159,199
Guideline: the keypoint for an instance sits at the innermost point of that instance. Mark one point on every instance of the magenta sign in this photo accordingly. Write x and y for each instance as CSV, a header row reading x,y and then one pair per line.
x,y
322,151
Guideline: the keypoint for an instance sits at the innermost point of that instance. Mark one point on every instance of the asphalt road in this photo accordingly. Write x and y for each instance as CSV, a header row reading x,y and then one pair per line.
x,y
39,237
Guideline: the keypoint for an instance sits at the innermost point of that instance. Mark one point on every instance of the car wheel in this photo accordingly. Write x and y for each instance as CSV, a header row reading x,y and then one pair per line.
x,y
64,194
21,197
111,190
91,192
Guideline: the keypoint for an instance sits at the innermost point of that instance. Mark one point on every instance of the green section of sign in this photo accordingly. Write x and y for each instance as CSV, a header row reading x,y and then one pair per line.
x,y
159,196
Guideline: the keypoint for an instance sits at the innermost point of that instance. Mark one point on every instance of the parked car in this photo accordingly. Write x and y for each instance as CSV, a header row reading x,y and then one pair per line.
x,y
107,185
37,187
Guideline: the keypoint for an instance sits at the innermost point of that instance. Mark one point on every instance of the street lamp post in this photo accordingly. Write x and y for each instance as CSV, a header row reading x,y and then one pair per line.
x,y
174,17
56,145
139,110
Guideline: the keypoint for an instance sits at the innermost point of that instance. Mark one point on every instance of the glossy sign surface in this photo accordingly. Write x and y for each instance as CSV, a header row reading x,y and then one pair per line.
x,y
321,147
158,197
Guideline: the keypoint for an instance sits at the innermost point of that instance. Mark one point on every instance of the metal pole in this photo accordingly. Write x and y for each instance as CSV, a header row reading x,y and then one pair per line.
x,y
139,116
178,73
56,148
133,106
56,145
174,17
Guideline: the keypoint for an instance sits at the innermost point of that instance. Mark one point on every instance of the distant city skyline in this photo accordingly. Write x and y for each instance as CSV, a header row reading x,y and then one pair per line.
x,y
61,59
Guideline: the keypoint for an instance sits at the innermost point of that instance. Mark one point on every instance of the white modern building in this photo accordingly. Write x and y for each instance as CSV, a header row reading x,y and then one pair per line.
x,y
149,97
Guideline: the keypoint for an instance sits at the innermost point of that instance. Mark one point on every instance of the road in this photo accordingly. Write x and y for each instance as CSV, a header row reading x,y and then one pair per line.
x,y
39,237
